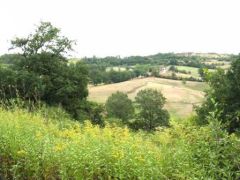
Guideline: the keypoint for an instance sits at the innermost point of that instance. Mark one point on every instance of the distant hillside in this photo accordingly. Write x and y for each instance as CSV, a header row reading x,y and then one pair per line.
x,y
180,97
183,54
206,55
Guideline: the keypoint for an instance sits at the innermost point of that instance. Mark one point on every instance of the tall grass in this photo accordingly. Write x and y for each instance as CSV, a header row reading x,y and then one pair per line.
x,y
33,147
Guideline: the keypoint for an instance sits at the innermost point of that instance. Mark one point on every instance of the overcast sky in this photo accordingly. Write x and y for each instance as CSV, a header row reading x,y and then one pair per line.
x,y
129,27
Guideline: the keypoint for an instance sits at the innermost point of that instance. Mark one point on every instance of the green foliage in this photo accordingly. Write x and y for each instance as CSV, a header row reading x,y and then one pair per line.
x,y
91,111
184,82
173,75
43,74
98,74
223,96
35,147
120,106
151,114
46,39
118,76
201,72
9,59
144,66
156,59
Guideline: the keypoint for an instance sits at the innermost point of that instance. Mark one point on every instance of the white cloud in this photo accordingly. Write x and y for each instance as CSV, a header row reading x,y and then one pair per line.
x,y
129,27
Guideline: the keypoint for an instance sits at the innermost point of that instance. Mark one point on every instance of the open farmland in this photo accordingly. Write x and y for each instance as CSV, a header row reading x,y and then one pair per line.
x,y
193,70
220,64
116,68
180,97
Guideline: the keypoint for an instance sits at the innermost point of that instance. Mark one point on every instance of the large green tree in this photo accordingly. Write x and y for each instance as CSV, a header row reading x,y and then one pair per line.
x,y
223,98
120,106
150,104
45,39
43,73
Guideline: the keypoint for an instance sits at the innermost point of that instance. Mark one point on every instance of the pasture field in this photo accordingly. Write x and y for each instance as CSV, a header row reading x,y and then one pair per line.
x,y
169,74
116,68
180,97
193,70
221,64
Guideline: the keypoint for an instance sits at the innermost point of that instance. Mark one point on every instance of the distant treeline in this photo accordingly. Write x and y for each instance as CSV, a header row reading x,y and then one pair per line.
x,y
144,66
100,75
136,66
157,59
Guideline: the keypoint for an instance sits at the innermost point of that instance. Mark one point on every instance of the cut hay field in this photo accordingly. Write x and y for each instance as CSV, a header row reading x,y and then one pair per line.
x,y
180,97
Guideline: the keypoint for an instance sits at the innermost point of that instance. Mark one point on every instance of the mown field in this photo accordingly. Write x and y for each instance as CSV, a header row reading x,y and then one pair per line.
x,y
180,97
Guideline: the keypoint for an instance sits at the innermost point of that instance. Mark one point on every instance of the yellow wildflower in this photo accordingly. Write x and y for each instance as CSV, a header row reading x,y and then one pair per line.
x,y
68,133
39,135
21,153
141,158
59,147
77,128
118,154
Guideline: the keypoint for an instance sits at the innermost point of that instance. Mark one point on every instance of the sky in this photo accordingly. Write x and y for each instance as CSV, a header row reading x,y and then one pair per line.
x,y
128,27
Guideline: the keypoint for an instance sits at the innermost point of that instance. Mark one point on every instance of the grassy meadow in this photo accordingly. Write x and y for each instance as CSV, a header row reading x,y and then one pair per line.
x,y
220,64
33,146
180,97
193,70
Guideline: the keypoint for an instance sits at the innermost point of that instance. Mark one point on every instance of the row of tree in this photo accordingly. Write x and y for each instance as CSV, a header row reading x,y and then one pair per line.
x,y
100,75
147,113
157,59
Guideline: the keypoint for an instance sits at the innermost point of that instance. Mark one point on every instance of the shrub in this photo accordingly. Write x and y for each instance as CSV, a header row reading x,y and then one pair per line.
x,y
118,105
223,96
151,113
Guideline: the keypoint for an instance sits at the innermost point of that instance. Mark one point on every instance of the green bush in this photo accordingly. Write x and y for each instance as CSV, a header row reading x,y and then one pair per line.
x,y
118,105
223,97
151,113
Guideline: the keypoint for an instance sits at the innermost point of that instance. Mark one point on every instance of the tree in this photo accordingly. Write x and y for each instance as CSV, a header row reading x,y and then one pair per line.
x,y
120,106
43,73
174,75
151,113
172,68
10,58
223,98
184,81
46,39
173,62
201,72
92,111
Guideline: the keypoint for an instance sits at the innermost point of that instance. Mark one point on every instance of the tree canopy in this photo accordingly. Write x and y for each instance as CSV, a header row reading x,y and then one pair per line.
x,y
120,106
45,39
223,97
43,73
150,104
